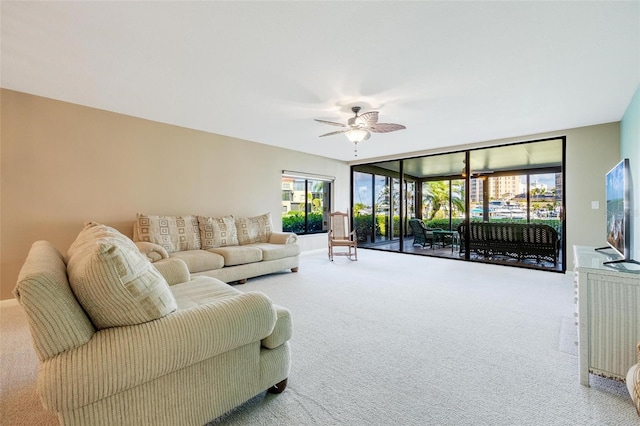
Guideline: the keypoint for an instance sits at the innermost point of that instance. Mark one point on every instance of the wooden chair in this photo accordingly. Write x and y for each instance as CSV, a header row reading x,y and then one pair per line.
x,y
341,235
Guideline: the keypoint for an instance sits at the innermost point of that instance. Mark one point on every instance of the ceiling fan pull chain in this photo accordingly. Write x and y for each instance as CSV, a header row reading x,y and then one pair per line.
x,y
355,149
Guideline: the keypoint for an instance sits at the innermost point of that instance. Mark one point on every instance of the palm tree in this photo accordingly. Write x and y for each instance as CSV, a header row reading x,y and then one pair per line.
x,y
436,196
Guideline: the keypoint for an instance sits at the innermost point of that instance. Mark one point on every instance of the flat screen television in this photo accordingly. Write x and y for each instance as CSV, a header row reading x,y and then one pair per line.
x,y
618,197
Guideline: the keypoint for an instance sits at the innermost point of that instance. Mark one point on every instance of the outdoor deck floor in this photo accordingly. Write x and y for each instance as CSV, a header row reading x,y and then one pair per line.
x,y
447,252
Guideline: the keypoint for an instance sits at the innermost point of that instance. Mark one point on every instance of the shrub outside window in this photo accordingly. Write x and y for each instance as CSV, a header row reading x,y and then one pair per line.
x,y
305,204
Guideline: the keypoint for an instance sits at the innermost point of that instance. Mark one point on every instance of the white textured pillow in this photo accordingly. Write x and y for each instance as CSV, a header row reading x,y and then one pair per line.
x,y
217,231
93,231
114,282
255,229
173,233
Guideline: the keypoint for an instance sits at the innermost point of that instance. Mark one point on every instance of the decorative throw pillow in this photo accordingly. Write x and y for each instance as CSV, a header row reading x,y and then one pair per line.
x,y
114,282
93,231
174,233
255,229
217,231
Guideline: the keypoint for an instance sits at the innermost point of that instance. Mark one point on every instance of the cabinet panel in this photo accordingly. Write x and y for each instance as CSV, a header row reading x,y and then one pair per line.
x,y
608,309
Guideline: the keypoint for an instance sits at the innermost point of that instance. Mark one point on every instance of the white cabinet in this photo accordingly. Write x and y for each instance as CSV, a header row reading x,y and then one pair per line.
x,y
608,311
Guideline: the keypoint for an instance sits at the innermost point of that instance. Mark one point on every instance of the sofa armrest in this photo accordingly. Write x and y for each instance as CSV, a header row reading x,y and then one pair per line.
x,y
153,251
119,358
173,270
283,238
282,331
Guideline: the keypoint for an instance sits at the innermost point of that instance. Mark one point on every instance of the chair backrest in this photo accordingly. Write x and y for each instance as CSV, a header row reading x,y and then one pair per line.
x,y
417,226
340,227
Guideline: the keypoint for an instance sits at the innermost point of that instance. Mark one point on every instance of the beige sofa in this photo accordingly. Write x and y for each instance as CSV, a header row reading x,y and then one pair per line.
x,y
227,248
122,341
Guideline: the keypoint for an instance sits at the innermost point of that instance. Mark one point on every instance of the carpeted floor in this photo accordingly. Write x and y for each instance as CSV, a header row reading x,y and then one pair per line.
x,y
396,339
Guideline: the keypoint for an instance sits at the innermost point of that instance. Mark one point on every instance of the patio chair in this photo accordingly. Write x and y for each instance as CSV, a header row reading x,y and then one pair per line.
x,y
421,234
341,235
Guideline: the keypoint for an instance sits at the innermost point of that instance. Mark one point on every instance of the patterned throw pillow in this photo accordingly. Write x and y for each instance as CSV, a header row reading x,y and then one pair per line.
x,y
174,233
217,231
255,229
114,282
93,231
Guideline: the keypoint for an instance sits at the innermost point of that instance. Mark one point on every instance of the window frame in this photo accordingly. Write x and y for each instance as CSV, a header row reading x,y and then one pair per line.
x,y
310,180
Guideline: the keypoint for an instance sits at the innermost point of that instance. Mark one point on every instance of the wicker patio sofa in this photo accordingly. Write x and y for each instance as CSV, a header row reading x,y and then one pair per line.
x,y
517,240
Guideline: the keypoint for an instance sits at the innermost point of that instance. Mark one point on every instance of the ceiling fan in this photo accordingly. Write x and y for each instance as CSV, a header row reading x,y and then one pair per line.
x,y
360,127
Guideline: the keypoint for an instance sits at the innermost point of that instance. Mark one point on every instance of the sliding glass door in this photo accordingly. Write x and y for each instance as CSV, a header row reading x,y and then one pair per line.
x,y
511,184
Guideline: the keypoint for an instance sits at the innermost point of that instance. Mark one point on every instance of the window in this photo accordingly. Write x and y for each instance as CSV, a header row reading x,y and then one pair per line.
x,y
306,207
518,183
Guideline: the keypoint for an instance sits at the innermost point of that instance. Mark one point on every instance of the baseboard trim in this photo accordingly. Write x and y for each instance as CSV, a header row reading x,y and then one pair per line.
x,y
8,303
314,251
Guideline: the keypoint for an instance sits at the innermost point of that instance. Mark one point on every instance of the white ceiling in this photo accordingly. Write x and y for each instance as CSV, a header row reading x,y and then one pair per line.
x,y
452,72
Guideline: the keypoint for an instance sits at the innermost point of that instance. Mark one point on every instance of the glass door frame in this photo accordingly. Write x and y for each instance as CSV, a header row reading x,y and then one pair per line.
x,y
397,171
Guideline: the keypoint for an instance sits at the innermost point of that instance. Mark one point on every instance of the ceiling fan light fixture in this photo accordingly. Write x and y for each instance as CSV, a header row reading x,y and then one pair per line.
x,y
356,135
360,127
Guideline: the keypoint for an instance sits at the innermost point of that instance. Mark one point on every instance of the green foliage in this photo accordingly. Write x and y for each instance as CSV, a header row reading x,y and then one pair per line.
x,y
443,223
357,207
314,222
362,226
436,198
293,221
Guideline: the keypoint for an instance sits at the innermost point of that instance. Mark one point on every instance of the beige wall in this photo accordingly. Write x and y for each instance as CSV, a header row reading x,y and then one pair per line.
x,y
64,164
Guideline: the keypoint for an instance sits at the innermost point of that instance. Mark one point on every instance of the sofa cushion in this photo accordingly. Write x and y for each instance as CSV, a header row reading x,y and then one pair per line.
x,y
200,291
217,231
199,260
114,282
256,229
174,233
238,255
277,251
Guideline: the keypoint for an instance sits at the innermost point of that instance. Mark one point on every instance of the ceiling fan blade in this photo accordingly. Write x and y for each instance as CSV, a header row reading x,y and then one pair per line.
x,y
337,132
367,119
386,127
331,123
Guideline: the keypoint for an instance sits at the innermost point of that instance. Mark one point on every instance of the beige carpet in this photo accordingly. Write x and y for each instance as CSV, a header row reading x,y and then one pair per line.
x,y
401,340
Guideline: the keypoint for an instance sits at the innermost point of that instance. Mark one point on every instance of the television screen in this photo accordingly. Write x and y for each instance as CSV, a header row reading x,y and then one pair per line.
x,y
618,208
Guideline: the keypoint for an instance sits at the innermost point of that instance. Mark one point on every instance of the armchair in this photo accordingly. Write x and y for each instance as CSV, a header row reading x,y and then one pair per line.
x,y
421,234
119,343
